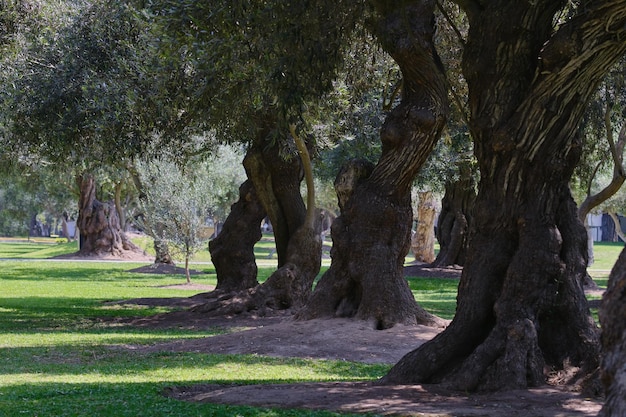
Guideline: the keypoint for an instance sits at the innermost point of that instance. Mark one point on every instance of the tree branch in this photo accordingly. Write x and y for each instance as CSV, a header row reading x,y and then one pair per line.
x,y
308,175
618,226
602,27
619,175
451,23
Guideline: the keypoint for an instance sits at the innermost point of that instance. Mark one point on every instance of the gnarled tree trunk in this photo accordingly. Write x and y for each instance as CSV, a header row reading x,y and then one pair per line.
x,y
232,251
371,237
276,180
612,312
454,219
423,240
521,306
100,232
162,253
272,189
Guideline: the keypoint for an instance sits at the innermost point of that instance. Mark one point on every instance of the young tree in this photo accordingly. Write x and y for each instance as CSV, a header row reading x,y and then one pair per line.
x,y
531,69
175,205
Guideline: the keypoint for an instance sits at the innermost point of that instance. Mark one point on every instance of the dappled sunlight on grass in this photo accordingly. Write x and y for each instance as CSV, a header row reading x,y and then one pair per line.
x,y
35,249
65,351
605,255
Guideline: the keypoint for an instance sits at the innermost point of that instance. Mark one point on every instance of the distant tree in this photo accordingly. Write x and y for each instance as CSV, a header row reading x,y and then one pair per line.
x,y
54,106
27,192
423,239
84,97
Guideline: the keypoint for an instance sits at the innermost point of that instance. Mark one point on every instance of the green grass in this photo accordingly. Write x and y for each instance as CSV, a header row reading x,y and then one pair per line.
x,y
61,355
437,295
605,255
41,248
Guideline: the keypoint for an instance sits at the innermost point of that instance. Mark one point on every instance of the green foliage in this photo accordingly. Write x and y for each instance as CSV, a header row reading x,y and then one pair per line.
x,y
71,103
85,92
225,173
175,204
28,191
254,66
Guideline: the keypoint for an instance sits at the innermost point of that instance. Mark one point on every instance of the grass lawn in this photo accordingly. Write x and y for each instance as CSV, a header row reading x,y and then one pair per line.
x,y
41,248
58,359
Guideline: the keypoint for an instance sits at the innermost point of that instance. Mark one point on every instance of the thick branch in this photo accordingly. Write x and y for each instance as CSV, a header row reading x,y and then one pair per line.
x,y
309,220
599,30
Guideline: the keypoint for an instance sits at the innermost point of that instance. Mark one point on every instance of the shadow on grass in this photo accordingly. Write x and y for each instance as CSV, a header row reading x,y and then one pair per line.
x,y
122,400
100,381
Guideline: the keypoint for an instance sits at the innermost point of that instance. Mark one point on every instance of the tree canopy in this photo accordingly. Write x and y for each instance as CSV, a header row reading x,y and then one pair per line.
x,y
119,79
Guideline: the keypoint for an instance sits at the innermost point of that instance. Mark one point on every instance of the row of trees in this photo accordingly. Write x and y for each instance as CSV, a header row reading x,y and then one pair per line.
x,y
127,79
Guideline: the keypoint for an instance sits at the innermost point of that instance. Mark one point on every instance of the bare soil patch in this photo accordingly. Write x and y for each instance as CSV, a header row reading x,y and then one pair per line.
x,y
341,339
130,256
404,400
164,269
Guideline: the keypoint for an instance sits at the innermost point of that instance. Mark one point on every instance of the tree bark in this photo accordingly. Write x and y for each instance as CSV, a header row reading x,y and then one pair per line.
x,y
423,240
100,232
275,179
232,251
454,220
521,306
162,252
371,237
612,312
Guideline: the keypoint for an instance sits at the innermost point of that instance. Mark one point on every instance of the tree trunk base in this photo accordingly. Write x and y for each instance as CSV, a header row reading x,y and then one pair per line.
x,y
613,368
371,238
288,288
522,318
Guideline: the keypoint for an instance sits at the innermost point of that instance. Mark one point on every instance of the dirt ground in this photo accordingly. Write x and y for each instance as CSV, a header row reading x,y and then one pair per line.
x,y
347,340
